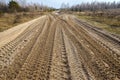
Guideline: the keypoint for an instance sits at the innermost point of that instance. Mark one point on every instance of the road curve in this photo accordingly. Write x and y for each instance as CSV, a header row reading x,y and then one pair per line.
x,y
59,47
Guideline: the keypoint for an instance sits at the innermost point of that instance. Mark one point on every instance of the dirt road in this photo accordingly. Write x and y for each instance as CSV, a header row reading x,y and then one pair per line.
x,y
59,47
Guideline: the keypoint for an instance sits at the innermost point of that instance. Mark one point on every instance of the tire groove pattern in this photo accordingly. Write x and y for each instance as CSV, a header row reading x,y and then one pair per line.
x,y
10,72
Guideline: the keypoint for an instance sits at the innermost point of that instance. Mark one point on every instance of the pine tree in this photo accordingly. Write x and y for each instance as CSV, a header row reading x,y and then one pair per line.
x,y
13,6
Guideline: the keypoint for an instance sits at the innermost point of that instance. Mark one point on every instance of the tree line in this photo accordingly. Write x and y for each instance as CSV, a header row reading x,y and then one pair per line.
x,y
21,5
93,6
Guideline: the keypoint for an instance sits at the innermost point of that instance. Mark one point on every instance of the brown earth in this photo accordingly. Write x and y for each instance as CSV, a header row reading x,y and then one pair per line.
x,y
58,47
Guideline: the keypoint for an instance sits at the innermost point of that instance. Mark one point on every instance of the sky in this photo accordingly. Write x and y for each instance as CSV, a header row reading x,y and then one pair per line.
x,y
57,3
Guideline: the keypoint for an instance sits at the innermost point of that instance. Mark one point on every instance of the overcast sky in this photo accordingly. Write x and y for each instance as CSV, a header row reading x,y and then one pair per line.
x,y
57,3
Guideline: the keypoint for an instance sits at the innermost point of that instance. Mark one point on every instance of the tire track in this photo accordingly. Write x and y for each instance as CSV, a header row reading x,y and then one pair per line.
x,y
9,49
107,57
100,52
83,55
11,70
107,40
40,57
60,66
57,48
74,61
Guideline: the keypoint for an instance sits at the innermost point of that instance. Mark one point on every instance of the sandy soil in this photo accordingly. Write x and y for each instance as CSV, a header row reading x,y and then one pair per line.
x,y
58,47
11,34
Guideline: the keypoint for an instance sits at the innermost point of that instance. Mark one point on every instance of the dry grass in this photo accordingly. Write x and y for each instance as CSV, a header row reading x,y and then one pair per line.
x,y
110,24
10,20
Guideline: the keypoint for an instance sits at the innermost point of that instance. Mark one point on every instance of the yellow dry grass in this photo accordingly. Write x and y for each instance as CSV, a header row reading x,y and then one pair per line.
x,y
8,20
111,25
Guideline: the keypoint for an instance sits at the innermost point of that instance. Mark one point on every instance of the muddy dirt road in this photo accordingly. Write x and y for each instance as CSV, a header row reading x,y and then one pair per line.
x,y
59,47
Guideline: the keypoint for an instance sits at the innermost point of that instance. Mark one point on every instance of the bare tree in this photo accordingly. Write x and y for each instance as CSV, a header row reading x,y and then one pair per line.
x,y
65,6
94,6
22,3
3,6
